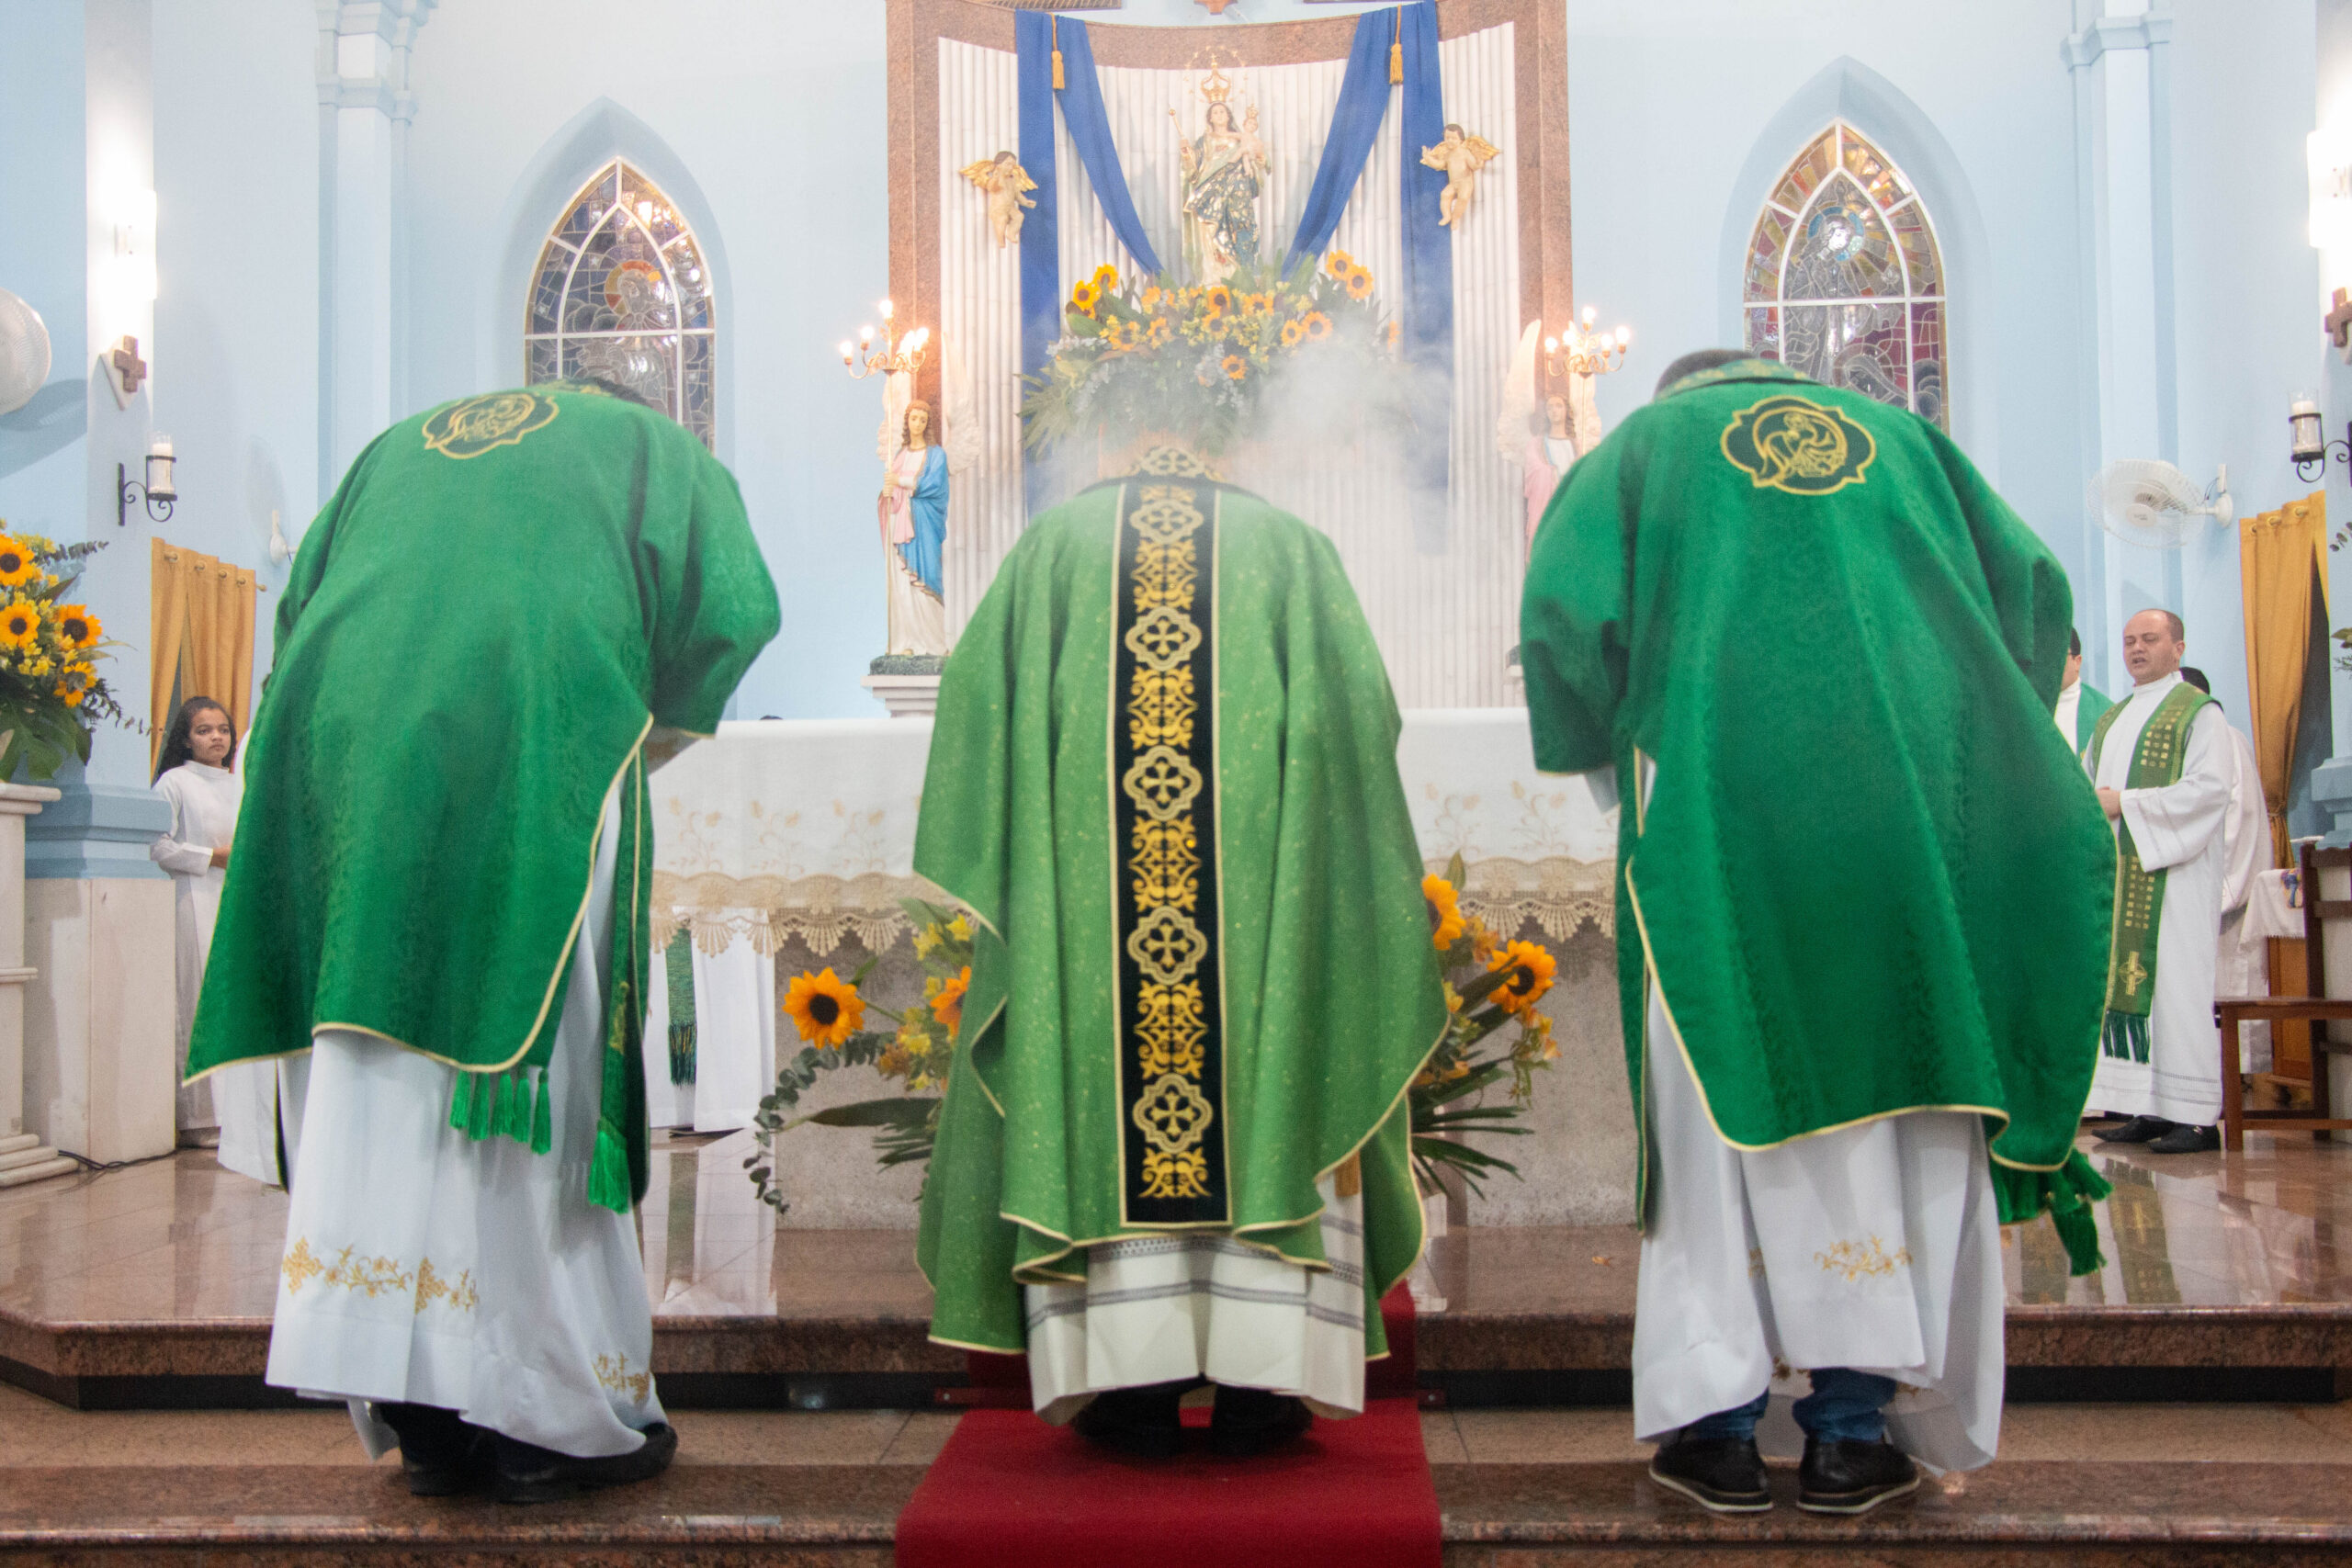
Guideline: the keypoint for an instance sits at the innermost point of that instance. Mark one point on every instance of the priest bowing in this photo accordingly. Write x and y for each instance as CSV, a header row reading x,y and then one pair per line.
x,y
440,893
2162,759
1174,1143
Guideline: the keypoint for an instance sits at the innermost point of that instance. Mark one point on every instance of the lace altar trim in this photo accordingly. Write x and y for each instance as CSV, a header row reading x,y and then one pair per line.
x,y
1561,895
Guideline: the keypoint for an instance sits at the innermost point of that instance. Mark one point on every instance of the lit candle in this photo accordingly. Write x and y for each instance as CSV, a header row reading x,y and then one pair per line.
x,y
160,482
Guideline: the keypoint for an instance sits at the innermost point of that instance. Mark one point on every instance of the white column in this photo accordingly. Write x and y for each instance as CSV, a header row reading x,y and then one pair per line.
x,y
365,109
2117,98
23,1157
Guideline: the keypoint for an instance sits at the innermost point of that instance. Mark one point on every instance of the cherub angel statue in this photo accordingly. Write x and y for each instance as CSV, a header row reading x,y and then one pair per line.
x,y
1005,181
1461,155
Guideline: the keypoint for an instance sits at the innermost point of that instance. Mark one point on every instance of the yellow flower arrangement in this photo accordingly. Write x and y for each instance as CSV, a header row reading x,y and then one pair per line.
x,y
19,625
1293,333
1234,367
826,1008
18,565
1338,263
1318,325
1084,298
77,627
1531,969
1106,278
1447,904
1219,300
1359,284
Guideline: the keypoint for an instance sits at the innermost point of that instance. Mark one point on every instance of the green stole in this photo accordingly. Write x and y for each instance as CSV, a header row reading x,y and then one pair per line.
x,y
2140,893
678,972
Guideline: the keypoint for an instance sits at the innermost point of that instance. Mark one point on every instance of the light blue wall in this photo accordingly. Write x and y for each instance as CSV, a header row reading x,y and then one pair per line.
x,y
42,257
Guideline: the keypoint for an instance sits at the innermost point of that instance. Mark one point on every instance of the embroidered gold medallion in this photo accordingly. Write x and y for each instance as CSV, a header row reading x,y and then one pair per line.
x,y
469,429
1793,443
1163,838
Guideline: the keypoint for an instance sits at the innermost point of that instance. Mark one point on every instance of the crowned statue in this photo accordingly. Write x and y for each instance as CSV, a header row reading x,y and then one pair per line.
x,y
1224,170
912,512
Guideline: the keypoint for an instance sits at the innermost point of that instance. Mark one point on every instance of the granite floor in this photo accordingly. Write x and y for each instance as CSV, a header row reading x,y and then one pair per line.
x,y
182,1242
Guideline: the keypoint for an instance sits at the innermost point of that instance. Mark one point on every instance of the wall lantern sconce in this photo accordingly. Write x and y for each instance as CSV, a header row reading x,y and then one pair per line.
x,y
160,491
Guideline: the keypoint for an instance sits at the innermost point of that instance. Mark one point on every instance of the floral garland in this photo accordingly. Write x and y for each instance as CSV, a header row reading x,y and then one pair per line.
x,y
1204,362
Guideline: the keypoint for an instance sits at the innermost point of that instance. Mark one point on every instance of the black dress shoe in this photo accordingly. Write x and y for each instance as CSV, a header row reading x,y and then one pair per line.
x,y
2139,1130
440,1454
1842,1476
1724,1475
1143,1422
1249,1421
2185,1139
529,1474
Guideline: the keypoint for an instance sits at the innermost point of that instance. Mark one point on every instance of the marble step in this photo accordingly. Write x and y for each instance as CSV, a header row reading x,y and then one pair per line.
x,y
40,1168
1493,1515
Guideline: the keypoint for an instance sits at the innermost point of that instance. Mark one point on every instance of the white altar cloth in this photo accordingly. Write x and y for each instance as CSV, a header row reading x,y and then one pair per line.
x,y
784,828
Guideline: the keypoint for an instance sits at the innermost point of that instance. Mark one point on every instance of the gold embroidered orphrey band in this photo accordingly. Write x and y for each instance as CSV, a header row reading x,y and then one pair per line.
x,y
1163,846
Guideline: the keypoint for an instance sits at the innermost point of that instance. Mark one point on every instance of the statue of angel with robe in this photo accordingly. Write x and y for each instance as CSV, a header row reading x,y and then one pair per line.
x,y
1006,183
1461,155
1224,169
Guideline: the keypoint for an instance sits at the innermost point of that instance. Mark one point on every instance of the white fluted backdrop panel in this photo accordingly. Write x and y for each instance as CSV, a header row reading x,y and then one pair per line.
x,y
1443,620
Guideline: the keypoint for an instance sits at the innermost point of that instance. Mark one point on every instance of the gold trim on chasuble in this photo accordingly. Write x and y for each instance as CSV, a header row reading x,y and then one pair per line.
x,y
476,425
1793,443
1163,848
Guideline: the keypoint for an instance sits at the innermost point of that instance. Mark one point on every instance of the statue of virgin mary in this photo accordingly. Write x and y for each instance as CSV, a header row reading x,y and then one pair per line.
x,y
912,512
1223,168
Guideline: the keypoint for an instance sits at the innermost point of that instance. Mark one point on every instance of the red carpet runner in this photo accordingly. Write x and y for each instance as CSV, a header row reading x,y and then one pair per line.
x,y
1010,1491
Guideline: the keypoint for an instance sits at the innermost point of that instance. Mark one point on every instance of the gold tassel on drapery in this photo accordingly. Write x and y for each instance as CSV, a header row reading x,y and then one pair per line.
x,y
2281,555
201,634
1055,24
1396,52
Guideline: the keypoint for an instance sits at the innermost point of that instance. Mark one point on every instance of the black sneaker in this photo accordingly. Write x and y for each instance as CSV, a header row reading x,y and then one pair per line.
x,y
1250,1421
1724,1475
1841,1475
2139,1130
529,1474
440,1454
1142,1422
2185,1139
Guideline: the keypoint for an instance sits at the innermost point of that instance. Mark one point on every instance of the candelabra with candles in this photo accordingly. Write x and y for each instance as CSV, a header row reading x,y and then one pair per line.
x,y
897,356
1584,352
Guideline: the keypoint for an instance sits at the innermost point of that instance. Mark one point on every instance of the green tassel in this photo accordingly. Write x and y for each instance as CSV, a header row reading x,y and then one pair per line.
x,y
477,1113
458,1101
2078,1233
502,1104
608,1175
543,1119
2066,1194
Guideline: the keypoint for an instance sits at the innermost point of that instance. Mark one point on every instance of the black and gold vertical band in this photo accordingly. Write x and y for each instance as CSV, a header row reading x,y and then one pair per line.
x,y
1163,766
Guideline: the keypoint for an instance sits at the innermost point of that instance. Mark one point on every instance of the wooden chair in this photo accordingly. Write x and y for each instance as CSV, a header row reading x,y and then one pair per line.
x,y
2319,1009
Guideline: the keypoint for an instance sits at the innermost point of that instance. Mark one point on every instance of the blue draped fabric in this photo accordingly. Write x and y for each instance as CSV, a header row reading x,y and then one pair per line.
x,y
1090,133
1363,100
927,506
1041,253
1427,314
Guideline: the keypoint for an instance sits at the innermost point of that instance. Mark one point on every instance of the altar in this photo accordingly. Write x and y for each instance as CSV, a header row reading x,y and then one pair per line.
x,y
785,845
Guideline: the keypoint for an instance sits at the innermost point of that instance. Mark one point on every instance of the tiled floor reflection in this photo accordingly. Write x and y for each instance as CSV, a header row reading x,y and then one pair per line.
x,y
181,1241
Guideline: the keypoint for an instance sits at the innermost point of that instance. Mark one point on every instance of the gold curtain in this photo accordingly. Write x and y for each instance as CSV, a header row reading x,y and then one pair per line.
x,y
2279,555
202,631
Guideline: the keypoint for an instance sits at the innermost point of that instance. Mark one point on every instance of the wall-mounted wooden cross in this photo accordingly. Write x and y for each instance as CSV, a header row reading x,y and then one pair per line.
x,y
133,369
2339,321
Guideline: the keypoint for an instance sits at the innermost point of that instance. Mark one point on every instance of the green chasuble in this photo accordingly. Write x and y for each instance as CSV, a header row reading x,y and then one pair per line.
x,y
1164,778
2089,708
504,597
1871,877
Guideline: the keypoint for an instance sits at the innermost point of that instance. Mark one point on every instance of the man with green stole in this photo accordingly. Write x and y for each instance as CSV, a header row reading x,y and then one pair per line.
x,y
1174,1143
1862,891
2080,704
2162,760
440,895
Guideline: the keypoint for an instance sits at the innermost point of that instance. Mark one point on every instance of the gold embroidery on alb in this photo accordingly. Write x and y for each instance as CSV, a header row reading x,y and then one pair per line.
x,y
613,1374
1862,1260
374,1277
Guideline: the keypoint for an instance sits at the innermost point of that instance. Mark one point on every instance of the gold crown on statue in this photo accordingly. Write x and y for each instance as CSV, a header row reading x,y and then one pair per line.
x,y
1215,88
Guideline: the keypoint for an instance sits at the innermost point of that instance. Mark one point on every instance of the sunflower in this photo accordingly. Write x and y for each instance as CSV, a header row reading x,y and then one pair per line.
x,y
1359,284
1234,367
16,563
1084,298
77,625
1318,326
1106,277
1220,299
1163,331
1447,904
1531,969
19,624
1338,263
1292,333
826,1008
946,996
71,695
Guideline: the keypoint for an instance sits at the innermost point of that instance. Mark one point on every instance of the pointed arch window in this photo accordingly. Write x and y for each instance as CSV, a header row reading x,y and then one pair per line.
x,y
1844,281
622,291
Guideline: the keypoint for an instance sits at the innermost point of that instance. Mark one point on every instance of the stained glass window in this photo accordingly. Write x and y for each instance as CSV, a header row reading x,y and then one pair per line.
x,y
1844,280
622,292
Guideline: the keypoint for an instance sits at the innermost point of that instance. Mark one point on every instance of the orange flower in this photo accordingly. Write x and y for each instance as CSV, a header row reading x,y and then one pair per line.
x,y
16,563
1394,331
1292,333
946,996
1318,326
1220,299
19,624
1359,284
1447,905
1106,277
825,1008
1531,969
1338,263
77,625
1152,296
1235,367
1162,331
1084,298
